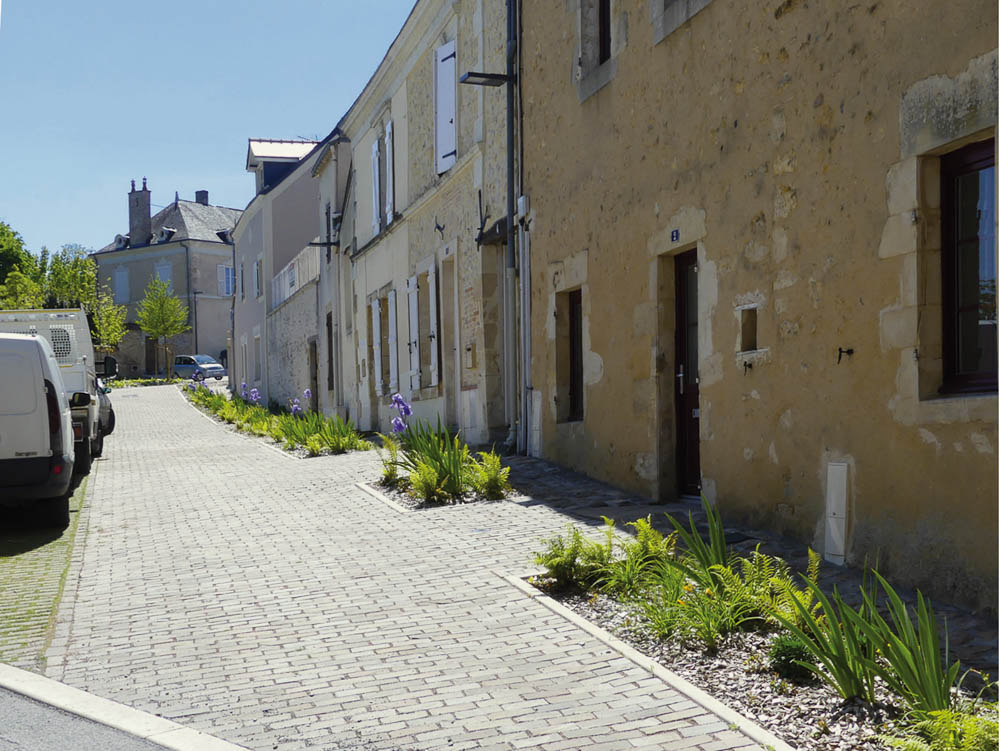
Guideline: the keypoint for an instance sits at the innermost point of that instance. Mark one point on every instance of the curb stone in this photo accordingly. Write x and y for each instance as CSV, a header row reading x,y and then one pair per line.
x,y
109,713
381,497
750,729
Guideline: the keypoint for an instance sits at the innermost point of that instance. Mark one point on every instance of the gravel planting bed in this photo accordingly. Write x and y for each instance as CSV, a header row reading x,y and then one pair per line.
x,y
808,716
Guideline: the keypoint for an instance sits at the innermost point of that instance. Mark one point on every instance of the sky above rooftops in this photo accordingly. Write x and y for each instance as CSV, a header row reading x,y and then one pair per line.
x,y
96,94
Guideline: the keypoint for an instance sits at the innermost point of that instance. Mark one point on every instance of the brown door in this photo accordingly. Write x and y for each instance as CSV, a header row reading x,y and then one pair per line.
x,y
686,374
313,376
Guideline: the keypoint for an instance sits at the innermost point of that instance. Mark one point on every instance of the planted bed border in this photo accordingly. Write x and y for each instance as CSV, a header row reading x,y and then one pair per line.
x,y
708,702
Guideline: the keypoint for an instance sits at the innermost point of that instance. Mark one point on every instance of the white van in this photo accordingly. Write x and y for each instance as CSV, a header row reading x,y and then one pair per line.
x,y
68,333
36,428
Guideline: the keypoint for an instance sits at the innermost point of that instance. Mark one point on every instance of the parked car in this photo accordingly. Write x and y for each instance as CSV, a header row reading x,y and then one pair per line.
x,y
36,428
106,414
69,336
185,366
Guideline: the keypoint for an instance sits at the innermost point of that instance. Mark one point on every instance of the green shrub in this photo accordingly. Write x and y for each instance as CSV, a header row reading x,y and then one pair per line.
x,y
389,456
912,664
573,562
438,449
842,655
952,730
426,485
488,476
314,445
785,656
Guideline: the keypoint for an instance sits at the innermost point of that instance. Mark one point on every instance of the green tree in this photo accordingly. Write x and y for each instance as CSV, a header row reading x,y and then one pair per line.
x,y
108,323
19,291
160,314
13,254
71,279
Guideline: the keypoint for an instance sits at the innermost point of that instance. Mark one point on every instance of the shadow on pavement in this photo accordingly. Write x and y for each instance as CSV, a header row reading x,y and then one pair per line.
x,y
20,530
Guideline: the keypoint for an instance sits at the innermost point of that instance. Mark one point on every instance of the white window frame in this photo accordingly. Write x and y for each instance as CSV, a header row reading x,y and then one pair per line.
x,y
164,271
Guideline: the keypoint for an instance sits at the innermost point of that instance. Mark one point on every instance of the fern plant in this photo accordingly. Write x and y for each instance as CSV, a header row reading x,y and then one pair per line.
x,y
952,730
314,445
488,476
388,454
426,484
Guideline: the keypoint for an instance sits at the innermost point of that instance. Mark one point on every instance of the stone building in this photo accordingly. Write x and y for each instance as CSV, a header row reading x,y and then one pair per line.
x,y
186,244
274,318
427,176
763,267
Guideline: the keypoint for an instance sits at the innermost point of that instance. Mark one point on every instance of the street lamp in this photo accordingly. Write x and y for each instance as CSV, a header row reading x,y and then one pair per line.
x,y
473,78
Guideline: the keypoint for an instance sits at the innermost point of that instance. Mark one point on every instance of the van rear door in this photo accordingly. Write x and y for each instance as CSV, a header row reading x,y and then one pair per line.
x,y
24,429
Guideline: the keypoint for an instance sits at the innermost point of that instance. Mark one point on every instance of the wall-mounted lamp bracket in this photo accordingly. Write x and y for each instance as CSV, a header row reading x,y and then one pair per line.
x,y
841,352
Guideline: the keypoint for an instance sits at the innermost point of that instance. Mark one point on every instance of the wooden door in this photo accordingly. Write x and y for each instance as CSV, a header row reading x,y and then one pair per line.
x,y
686,374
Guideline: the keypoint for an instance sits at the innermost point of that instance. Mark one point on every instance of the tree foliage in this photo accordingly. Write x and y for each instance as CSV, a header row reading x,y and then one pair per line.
x,y
108,323
13,254
19,291
71,279
160,314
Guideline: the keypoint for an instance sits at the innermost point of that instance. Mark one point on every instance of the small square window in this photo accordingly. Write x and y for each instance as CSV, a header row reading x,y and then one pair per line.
x,y
748,329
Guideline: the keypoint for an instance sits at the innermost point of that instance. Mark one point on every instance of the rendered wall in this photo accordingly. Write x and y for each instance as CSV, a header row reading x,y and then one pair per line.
x,y
779,141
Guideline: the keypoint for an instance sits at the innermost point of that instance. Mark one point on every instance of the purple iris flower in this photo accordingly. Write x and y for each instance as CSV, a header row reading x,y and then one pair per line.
x,y
398,426
307,394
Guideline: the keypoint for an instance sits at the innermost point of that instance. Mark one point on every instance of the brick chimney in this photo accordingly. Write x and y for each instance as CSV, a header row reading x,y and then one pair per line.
x,y
201,196
139,225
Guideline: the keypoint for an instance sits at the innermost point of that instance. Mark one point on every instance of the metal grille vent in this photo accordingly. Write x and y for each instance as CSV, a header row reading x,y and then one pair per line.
x,y
62,343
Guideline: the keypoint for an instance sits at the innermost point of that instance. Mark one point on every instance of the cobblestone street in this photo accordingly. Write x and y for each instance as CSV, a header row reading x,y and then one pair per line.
x,y
271,602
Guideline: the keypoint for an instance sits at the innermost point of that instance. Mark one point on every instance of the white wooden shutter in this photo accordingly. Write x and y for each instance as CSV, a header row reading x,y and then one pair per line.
x,y
393,353
414,343
444,106
433,316
376,209
256,279
221,277
377,348
389,181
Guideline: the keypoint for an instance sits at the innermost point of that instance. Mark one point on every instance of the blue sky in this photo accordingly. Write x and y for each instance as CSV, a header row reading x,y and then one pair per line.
x,y
93,94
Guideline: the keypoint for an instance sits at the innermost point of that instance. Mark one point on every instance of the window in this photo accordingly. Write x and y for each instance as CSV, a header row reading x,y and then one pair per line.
x,y
243,282
569,356
385,368
603,31
598,41
164,272
258,277
748,329
388,201
376,189
968,269
225,279
121,285
445,94
256,359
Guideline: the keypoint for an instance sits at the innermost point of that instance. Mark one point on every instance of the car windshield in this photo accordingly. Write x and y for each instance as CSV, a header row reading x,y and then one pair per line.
x,y
205,360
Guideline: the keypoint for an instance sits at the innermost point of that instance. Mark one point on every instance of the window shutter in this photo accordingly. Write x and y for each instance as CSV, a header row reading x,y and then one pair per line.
x,y
376,209
377,347
256,279
432,309
221,276
393,354
163,273
121,285
389,181
444,106
414,343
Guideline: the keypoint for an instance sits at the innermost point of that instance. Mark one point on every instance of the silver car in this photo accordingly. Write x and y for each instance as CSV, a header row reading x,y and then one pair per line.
x,y
187,366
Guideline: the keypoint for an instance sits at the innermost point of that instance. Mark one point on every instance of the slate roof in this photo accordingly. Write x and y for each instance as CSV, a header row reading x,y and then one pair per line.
x,y
191,221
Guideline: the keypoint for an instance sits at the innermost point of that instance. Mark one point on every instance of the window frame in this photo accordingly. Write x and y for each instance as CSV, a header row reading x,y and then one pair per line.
x,y
971,158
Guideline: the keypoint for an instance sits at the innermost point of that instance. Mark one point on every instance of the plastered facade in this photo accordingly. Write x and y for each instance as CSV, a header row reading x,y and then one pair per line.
x,y
428,238
793,147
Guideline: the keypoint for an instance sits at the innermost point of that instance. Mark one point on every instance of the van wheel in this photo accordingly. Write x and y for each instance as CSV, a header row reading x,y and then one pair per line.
x,y
54,512
81,458
97,447
111,423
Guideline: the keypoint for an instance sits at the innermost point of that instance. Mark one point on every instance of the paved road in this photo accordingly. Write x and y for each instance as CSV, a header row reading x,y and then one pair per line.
x,y
28,725
267,600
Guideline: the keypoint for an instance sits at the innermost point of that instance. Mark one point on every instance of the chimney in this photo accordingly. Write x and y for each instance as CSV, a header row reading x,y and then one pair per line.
x,y
139,225
201,196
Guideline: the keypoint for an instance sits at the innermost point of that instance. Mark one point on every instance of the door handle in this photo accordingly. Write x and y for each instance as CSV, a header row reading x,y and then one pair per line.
x,y
680,375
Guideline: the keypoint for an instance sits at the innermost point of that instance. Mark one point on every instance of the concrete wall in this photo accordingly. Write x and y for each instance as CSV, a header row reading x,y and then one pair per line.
x,y
783,143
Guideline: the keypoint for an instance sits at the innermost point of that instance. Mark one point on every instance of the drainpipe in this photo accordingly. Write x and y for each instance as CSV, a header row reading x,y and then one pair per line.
x,y
524,244
510,352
